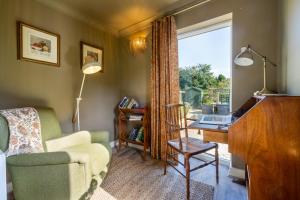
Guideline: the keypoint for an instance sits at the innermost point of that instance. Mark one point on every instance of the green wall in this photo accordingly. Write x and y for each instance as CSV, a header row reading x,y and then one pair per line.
x,y
290,77
25,83
135,72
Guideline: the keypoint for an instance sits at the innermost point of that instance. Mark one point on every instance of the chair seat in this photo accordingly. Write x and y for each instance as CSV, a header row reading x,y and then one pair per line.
x,y
191,146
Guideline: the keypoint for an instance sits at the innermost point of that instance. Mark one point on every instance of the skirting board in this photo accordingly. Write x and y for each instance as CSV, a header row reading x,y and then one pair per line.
x,y
236,173
9,187
114,143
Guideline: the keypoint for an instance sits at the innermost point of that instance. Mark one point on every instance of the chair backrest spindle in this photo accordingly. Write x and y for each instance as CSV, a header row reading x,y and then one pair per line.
x,y
176,121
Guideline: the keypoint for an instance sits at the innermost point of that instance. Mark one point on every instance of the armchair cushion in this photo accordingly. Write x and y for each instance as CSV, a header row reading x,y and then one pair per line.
x,y
98,153
81,137
101,137
50,125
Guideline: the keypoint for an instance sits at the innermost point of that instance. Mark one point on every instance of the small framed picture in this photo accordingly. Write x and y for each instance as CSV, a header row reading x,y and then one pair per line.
x,y
37,45
91,53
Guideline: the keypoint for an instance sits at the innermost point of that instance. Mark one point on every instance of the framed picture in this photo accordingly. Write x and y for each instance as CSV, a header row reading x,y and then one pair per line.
x,y
91,53
37,45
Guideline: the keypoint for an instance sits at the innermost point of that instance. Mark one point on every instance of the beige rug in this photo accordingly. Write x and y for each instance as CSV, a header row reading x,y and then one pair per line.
x,y
131,178
101,194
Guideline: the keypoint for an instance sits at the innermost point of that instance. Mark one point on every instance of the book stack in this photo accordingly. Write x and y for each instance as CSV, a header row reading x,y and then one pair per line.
x,y
128,103
137,134
135,117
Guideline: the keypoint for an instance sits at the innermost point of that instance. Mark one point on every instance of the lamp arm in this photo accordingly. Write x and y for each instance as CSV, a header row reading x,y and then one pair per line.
x,y
78,99
81,87
264,58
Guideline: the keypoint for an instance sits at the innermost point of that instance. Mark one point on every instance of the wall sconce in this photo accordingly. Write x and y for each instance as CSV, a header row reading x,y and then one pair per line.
x,y
137,45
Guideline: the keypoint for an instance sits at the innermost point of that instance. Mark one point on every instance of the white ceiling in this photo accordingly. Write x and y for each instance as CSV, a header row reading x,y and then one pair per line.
x,y
117,16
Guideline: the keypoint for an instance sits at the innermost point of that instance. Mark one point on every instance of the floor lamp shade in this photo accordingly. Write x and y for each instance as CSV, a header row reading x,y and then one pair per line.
x,y
89,68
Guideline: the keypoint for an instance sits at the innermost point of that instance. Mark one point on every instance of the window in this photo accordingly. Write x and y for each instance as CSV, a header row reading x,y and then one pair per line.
x,y
205,70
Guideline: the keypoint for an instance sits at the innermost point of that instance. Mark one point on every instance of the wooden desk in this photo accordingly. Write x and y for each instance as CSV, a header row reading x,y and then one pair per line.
x,y
211,133
267,138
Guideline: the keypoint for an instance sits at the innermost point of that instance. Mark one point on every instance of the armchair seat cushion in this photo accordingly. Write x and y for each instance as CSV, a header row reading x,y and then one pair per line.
x,y
98,154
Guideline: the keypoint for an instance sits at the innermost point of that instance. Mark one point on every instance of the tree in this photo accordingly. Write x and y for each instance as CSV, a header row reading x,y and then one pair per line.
x,y
221,77
223,82
199,76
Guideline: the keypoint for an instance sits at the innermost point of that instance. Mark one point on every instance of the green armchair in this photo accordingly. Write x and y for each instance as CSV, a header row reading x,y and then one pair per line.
x,y
71,167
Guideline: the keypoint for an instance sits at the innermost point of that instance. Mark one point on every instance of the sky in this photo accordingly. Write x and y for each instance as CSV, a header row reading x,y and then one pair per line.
x,y
212,48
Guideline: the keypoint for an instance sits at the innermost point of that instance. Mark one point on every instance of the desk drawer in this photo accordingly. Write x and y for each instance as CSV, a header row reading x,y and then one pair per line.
x,y
214,136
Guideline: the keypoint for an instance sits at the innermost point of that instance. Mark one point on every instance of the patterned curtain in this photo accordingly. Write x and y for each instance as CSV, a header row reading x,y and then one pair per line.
x,y
164,79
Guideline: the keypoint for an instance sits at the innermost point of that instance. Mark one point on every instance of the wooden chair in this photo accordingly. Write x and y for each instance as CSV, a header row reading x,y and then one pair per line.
x,y
176,121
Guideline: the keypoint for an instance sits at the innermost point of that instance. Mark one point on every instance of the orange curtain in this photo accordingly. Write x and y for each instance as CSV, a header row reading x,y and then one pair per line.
x,y
164,80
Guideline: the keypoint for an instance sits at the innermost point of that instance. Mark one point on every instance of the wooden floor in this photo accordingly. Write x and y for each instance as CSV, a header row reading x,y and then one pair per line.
x,y
225,190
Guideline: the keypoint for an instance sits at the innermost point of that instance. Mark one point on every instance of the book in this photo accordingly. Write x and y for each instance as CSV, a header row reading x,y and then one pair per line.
x,y
130,103
122,102
126,103
133,133
135,104
135,117
130,134
140,136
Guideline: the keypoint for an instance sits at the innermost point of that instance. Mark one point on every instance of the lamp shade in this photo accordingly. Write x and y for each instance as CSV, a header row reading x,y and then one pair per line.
x,y
138,44
91,68
244,58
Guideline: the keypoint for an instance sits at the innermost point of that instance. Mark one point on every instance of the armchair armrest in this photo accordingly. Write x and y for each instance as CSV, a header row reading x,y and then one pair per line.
x,y
100,136
48,158
50,175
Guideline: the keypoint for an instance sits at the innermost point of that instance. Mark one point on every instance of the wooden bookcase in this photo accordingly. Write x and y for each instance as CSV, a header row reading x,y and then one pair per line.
x,y
124,124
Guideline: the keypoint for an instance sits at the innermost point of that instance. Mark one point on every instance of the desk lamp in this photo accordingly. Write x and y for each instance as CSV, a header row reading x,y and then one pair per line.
x,y
245,58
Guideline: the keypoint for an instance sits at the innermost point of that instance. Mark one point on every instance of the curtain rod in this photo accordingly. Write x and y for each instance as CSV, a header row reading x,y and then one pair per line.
x,y
174,12
182,10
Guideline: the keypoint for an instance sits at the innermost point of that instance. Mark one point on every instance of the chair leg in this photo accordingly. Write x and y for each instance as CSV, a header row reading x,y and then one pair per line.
x,y
145,153
187,174
217,163
166,159
119,146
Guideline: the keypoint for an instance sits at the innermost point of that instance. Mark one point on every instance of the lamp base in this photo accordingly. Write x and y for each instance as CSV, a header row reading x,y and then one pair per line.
x,y
264,91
